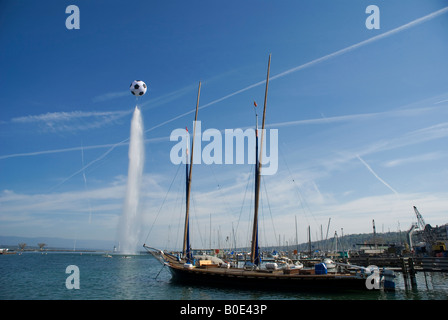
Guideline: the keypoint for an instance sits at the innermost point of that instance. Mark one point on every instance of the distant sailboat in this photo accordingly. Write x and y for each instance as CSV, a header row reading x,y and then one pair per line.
x,y
213,271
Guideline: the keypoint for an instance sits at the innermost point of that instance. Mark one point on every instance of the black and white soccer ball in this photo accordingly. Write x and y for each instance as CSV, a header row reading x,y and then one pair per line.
x,y
138,88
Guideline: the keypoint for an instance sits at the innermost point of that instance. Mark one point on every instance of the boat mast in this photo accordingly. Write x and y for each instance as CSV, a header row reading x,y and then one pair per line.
x,y
309,240
297,236
186,251
255,255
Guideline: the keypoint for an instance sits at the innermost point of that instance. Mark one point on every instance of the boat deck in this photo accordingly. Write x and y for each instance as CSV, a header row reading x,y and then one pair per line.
x,y
237,277
239,272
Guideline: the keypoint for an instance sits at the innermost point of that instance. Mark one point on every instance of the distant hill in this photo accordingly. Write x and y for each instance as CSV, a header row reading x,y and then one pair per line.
x,y
12,242
350,242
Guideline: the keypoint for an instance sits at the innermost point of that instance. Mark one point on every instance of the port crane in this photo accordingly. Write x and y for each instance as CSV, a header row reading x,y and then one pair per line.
x,y
420,221
427,233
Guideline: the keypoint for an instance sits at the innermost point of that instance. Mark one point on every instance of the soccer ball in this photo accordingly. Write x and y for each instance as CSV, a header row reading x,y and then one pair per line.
x,y
138,88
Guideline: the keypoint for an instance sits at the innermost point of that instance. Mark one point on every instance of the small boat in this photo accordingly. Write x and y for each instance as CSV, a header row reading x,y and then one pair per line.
x,y
329,263
6,251
286,263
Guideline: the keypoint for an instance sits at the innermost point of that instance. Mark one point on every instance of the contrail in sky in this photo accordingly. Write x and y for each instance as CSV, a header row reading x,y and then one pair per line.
x,y
328,56
85,182
280,75
318,60
376,176
363,43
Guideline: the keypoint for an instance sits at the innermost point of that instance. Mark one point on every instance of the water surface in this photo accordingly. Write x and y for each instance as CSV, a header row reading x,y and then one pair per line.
x,y
31,276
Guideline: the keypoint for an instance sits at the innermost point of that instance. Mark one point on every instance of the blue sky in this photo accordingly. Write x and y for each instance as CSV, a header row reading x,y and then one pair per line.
x,y
361,115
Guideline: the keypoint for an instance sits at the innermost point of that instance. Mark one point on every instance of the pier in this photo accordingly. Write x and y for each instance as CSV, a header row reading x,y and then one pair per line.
x,y
407,266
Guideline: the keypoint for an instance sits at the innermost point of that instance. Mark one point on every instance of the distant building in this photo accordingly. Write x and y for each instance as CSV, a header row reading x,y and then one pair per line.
x,y
372,249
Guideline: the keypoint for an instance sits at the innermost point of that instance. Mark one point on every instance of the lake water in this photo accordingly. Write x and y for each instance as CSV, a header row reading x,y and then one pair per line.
x,y
36,276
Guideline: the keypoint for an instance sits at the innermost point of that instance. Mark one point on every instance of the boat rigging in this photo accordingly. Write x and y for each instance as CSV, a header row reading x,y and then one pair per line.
x,y
211,270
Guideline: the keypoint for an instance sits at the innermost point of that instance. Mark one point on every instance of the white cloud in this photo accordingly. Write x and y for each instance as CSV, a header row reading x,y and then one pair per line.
x,y
342,157
71,121
71,210
415,159
231,209
408,112
111,96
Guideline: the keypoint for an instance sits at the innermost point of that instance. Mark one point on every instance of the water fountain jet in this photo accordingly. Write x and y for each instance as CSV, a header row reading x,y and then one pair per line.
x,y
129,224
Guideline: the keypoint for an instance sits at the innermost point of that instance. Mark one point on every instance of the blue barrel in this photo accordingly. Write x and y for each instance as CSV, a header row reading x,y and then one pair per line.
x,y
320,268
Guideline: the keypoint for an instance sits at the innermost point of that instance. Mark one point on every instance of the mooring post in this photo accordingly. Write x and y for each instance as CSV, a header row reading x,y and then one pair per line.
x,y
412,273
405,273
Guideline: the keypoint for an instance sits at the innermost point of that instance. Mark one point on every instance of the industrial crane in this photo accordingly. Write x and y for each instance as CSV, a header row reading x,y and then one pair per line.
x,y
420,221
428,234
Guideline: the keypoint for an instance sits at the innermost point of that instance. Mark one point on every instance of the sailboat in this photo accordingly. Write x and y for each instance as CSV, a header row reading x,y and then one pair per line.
x,y
207,270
